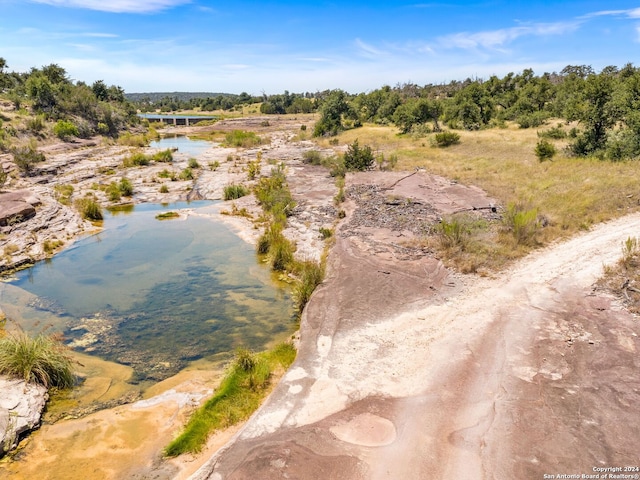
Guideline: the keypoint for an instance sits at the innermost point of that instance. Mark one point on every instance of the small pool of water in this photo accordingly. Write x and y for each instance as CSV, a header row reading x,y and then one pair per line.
x,y
154,294
184,145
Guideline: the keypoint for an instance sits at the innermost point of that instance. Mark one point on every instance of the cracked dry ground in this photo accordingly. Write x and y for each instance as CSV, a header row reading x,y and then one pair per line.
x,y
408,371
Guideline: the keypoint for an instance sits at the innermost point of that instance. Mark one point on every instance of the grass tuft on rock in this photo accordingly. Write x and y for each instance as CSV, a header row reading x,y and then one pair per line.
x,y
43,359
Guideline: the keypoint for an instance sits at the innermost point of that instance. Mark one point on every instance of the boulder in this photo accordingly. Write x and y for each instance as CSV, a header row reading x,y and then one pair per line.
x,y
21,406
17,207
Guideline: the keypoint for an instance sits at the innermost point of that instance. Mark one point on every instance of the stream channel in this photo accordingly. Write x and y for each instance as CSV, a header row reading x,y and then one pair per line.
x,y
154,295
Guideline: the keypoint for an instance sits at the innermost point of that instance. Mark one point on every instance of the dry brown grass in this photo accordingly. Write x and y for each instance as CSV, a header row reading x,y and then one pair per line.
x,y
570,194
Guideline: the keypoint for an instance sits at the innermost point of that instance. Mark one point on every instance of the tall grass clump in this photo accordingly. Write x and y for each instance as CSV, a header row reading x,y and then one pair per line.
x,y
89,208
242,138
273,192
522,223
630,250
311,275
163,156
137,159
238,396
43,359
453,232
234,191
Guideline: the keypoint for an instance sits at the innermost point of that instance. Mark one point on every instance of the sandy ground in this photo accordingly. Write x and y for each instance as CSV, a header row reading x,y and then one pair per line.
x,y
405,370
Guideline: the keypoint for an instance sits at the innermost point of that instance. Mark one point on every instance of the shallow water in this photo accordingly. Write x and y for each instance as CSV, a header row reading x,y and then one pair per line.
x,y
153,294
184,145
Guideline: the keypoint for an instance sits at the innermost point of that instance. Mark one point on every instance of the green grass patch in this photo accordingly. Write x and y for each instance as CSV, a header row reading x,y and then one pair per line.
x,y
240,393
234,191
167,215
43,359
310,276
89,208
163,156
137,159
63,193
242,138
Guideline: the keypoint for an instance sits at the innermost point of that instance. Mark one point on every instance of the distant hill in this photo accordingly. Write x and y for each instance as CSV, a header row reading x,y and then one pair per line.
x,y
181,96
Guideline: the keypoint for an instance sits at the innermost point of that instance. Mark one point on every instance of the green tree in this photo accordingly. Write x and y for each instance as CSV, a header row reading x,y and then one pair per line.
x,y
597,113
332,111
358,158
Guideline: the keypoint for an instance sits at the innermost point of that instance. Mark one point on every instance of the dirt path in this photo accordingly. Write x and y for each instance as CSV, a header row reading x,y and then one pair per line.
x,y
526,374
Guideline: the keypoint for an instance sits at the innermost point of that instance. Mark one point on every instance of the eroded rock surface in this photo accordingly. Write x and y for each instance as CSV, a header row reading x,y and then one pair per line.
x,y
21,405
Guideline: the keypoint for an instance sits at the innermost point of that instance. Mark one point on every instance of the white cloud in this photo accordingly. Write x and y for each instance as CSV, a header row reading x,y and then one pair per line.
x,y
493,39
368,50
629,13
117,6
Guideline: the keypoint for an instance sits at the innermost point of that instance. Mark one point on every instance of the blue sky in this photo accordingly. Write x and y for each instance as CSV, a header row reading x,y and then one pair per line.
x,y
235,46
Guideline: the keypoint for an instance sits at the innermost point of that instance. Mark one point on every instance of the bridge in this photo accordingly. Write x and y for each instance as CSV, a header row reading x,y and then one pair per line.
x,y
176,119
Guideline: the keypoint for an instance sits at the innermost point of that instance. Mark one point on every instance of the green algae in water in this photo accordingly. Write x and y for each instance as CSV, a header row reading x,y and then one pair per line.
x,y
156,295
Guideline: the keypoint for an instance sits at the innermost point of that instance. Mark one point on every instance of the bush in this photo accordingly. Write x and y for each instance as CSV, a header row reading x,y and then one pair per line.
x,y
358,158
164,188
545,150
557,133
25,158
530,120
36,124
446,139
312,157
193,163
234,191
44,360
64,129
89,208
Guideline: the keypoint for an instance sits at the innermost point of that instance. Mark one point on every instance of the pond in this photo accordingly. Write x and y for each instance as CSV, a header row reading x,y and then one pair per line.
x,y
154,294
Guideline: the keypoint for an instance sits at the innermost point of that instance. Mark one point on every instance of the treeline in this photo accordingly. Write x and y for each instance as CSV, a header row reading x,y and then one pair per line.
x,y
605,105
269,104
83,110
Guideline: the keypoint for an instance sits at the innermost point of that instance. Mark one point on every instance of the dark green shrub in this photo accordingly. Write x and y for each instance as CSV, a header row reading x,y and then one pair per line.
x,y
358,158
556,133
446,139
545,150
193,163
531,120
113,192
